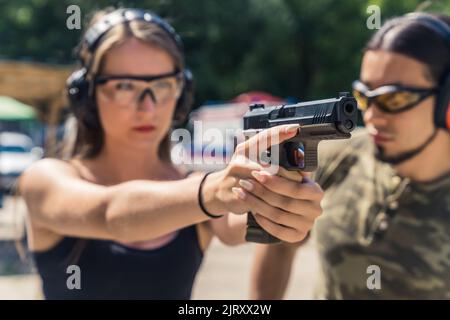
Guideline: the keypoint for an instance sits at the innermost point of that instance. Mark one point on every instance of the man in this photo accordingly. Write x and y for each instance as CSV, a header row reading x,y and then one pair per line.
x,y
386,210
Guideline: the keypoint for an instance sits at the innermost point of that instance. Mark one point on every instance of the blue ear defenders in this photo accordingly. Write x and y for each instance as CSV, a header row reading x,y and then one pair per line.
x,y
78,84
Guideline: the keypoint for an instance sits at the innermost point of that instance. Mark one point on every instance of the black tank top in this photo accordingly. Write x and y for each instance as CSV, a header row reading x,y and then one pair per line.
x,y
110,270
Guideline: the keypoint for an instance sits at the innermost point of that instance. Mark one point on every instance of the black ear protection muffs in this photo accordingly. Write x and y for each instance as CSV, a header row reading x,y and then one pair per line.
x,y
442,107
78,86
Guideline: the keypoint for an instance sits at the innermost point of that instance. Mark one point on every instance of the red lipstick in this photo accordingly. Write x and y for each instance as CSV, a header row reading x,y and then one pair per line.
x,y
144,129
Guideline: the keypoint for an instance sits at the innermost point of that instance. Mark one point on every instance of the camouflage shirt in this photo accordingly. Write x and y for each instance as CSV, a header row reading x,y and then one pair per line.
x,y
375,220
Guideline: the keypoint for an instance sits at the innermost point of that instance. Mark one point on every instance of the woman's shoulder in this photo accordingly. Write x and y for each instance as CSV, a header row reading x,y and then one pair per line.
x,y
52,165
48,166
44,170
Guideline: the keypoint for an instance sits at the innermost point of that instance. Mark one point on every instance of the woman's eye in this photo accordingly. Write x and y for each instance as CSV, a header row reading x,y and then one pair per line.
x,y
162,85
124,85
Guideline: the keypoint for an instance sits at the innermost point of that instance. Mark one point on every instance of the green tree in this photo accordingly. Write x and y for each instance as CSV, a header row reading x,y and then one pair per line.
x,y
299,48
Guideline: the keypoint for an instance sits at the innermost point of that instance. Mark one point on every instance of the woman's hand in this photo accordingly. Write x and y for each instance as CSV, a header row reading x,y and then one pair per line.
x,y
284,208
282,205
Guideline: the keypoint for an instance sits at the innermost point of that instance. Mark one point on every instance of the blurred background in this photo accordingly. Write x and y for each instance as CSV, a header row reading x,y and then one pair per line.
x,y
240,51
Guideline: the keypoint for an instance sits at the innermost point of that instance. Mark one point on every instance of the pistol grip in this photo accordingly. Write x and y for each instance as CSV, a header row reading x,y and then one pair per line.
x,y
288,159
257,234
310,155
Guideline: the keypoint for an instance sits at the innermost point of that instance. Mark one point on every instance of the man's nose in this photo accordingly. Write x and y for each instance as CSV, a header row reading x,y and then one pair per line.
x,y
374,115
147,100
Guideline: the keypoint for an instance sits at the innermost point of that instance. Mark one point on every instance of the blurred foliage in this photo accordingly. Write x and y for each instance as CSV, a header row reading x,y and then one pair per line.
x,y
306,49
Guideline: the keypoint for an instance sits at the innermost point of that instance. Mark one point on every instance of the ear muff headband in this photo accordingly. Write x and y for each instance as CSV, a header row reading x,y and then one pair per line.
x,y
442,106
77,83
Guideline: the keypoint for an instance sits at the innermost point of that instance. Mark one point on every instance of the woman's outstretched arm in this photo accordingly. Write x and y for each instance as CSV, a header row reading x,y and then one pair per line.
x,y
60,201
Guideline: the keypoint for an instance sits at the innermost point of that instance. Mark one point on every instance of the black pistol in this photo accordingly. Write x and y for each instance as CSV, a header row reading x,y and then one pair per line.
x,y
327,119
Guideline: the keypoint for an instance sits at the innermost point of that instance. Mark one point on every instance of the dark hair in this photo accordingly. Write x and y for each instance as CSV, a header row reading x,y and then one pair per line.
x,y
90,135
412,38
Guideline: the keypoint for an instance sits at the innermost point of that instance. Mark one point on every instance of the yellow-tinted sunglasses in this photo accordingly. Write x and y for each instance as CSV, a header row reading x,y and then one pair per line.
x,y
390,98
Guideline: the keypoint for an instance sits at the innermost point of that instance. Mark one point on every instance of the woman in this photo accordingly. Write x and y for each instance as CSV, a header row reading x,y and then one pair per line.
x,y
135,224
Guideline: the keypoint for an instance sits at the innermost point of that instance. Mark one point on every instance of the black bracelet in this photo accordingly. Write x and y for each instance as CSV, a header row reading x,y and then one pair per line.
x,y
200,200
